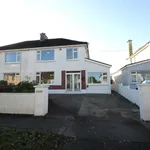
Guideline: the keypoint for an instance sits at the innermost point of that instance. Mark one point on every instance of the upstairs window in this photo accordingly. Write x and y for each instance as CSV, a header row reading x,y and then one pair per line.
x,y
45,55
12,57
72,53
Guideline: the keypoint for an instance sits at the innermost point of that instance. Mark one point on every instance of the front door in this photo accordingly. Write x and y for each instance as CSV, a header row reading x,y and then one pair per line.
x,y
73,81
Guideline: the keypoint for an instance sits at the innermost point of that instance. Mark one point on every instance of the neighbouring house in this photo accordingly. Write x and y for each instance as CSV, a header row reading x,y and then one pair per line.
x,y
138,68
63,64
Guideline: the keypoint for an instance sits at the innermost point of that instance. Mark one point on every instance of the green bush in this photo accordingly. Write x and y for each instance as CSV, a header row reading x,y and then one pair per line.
x,y
22,87
3,83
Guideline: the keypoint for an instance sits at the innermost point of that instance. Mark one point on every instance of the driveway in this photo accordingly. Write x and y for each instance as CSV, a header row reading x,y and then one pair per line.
x,y
97,105
99,117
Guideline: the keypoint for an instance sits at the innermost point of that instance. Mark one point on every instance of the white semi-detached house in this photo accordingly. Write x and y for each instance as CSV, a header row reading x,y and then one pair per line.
x,y
63,64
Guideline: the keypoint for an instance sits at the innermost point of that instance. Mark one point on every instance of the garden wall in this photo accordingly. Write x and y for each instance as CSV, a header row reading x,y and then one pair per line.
x,y
17,103
127,92
25,103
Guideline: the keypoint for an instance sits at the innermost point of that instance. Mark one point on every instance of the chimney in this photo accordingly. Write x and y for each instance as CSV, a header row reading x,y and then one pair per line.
x,y
43,37
130,49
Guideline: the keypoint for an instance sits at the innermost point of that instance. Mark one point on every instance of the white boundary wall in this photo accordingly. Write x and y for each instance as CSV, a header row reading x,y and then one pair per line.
x,y
125,91
144,99
141,97
17,103
25,103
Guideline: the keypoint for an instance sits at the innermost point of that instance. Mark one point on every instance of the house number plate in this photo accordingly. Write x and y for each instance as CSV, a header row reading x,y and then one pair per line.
x,y
39,91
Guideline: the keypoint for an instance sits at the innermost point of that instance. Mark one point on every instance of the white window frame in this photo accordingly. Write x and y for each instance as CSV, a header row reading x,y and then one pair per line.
x,y
74,50
16,75
134,73
38,52
103,83
39,75
17,55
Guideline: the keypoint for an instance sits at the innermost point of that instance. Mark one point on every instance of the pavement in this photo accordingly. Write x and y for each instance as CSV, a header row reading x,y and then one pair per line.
x,y
89,118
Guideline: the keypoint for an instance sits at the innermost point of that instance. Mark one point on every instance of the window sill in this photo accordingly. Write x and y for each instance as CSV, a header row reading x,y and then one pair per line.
x,y
72,59
11,63
103,84
44,61
46,84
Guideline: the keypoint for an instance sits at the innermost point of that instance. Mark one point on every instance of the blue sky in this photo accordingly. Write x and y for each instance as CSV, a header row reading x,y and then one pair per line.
x,y
105,24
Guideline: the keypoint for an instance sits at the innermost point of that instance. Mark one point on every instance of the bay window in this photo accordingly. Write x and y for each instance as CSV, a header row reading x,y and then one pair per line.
x,y
45,55
97,78
12,57
45,77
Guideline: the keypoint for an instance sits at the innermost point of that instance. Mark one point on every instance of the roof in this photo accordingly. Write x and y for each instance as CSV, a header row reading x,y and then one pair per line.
x,y
136,63
98,62
38,43
140,49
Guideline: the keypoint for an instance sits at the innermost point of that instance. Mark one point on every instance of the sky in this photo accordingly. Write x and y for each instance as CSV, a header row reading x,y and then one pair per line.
x,y
106,25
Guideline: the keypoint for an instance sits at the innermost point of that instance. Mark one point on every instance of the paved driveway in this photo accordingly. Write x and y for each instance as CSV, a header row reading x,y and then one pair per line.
x,y
97,116
98,105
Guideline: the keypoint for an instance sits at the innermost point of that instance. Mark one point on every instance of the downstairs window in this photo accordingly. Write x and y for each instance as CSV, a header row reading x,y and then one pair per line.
x,y
45,77
13,78
97,78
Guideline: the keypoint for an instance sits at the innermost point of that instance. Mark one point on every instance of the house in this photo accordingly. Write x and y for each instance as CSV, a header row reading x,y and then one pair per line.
x,y
63,64
138,68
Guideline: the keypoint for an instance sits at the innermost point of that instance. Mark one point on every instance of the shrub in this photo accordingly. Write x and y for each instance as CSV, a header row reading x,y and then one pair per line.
x,y
3,83
22,87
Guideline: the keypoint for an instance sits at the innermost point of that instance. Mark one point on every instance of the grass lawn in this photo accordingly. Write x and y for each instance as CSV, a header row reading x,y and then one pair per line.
x,y
14,139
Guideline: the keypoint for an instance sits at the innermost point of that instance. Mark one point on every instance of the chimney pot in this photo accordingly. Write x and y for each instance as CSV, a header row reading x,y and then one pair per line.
x,y
43,37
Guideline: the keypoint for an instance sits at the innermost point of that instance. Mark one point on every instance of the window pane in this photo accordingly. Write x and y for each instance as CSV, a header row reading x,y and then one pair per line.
x,y
75,50
69,54
38,57
94,77
10,78
38,79
38,52
105,79
75,54
17,80
47,55
133,78
10,57
104,73
47,77
133,72
142,76
18,58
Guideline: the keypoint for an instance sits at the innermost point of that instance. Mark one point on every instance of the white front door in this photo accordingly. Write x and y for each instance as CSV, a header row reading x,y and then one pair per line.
x,y
73,81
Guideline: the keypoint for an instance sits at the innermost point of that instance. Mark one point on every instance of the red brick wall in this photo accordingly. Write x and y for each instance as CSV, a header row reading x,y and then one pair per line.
x,y
83,79
62,86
